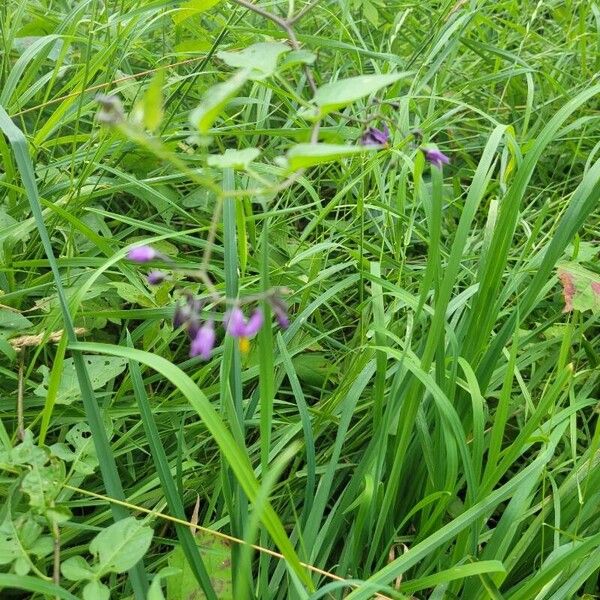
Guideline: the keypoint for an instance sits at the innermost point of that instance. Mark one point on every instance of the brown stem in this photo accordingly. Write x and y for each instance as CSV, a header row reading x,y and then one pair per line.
x,y
287,26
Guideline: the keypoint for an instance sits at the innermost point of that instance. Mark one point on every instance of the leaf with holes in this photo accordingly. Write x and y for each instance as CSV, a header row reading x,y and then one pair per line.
x,y
216,555
120,546
101,370
43,484
581,287
260,59
78,449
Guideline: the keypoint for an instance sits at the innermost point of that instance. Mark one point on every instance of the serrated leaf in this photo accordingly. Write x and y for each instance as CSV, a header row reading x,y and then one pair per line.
x,y
76,568
95,590
233,159
216,555
203,117
581,287
101,370
259,59
192,8
338,94
121,545
309,155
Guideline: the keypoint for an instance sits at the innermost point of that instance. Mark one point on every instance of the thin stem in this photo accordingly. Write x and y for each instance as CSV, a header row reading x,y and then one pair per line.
x,y
20,396
293,20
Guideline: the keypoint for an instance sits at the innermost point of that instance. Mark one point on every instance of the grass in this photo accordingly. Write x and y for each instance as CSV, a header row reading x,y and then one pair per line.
x,y
426,427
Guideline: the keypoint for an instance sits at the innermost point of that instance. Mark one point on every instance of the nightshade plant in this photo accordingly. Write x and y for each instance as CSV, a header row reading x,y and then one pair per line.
x,y
335,266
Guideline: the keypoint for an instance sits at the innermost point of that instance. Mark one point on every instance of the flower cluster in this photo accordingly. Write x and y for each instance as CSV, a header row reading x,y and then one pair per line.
x,y
200,324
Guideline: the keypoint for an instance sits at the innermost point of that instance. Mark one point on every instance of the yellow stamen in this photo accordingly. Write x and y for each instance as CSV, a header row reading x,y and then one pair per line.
x,y
244,345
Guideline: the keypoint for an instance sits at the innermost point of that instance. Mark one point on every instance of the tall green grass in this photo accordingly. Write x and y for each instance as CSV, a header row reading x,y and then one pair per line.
x,y
427,425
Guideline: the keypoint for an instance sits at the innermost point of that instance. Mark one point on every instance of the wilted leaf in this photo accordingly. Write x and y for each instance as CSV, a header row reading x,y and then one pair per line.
x,y
581,287
214,101
260,59
216,555
233,159
309,155
338,94
101,370
121,545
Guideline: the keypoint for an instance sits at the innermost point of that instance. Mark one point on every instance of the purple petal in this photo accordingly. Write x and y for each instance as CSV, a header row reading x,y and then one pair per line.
x,y
142,254
436,157
255,322
235,322
181,315
204,341
156,277
375,137
281,316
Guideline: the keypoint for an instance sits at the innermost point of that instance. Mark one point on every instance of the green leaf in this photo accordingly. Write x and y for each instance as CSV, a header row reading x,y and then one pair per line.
x,y
10,319
152,103
76,568
27,453
79,449
309,155
214,101
338,94
233,159
101,370
95,590
121,545
155,592
260,59
216,555
192,8
43,484
581,287
298,57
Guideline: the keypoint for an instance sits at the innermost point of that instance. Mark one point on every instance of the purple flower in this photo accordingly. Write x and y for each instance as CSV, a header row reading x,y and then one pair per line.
x,y
156,277
238,327
204,341
142,254
280,311
435,157
375,137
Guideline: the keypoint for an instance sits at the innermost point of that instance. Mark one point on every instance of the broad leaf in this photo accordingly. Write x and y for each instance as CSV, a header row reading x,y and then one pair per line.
x,y
121,545
9,319
101,370
259,59
43,484
338,94
581,287
79,449
94,590
233,159
309,155
214,101
216,555
76,568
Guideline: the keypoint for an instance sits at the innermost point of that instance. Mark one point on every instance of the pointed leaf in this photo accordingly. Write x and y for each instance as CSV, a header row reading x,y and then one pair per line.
x,y
214,101
233,159
337,94
309,155
260,59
